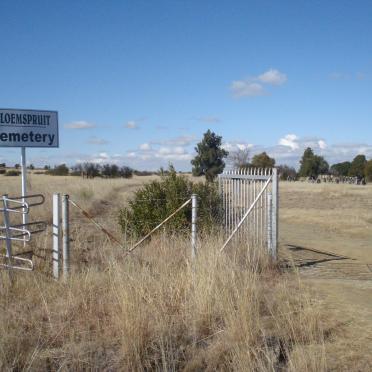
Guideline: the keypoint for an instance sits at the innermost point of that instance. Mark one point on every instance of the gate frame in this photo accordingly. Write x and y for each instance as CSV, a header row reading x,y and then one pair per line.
x,y
266,175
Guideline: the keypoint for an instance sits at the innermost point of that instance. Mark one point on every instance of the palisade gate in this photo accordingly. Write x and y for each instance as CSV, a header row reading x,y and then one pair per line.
x,y
250,204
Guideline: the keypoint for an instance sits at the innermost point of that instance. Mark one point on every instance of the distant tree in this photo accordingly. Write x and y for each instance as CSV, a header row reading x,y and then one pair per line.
x,y
46,167
59,170
368,171
357,166
340,169
312,165
126,172
285,172
91,170
209,160
31,167
110,171
17,166
240,158
263,161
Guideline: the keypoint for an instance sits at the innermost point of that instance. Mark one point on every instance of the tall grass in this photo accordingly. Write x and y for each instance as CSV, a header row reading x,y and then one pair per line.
x,y
159,311
154,309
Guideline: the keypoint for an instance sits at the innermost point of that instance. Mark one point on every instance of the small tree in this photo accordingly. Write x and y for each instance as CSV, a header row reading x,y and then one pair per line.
x,y
240,158
263,161
368,171
91,170
209,159
287,173
357,166
110,171
341,169
126,172
312,165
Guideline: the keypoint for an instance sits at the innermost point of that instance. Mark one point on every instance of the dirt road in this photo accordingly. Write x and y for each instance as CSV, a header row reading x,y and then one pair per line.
x,y
336,219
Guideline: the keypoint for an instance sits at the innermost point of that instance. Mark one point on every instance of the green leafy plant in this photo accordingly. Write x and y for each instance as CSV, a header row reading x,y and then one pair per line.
x,y
209,160
156,200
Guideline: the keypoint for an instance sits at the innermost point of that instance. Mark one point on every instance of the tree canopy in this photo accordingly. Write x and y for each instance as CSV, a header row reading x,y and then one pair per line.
x,y
263,161
341,169
357,166
312,165
209,160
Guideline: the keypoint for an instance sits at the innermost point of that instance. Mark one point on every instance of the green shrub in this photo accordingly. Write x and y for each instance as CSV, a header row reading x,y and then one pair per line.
x,y
2,171
156,200
12,173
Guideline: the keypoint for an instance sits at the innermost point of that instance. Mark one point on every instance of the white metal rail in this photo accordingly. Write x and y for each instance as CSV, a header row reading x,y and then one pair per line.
x,y
19,232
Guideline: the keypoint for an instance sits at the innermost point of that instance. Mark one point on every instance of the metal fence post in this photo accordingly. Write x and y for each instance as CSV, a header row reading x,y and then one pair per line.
x,y
275,214
65,236
56,234
194,216
269,224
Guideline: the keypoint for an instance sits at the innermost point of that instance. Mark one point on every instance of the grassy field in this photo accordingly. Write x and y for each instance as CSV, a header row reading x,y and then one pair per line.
x,y
155,310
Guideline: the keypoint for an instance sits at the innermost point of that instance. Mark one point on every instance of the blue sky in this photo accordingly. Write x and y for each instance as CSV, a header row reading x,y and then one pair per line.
x,y
139,82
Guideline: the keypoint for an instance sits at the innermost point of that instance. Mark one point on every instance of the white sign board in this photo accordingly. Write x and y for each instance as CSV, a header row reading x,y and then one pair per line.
x,y
28,128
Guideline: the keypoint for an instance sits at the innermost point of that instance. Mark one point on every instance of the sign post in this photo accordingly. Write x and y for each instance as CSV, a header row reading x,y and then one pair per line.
x,y
24,181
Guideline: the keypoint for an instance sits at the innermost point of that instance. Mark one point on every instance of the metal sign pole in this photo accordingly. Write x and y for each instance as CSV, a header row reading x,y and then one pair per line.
x,y
24,183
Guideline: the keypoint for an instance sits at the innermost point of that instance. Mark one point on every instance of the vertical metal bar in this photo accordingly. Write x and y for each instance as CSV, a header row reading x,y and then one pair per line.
x,y
261,211
66,236
56,234
24,184
234,200
269,224
230,203
194,216
8,236
275,212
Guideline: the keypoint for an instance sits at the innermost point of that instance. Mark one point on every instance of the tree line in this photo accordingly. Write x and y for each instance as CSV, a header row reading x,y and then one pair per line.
x,y
210,161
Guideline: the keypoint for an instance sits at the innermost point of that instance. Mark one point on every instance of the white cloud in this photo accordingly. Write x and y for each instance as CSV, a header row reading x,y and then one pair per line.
x,y
145,147
246,88
131,124
235,146
80,125
177,141
290,140
255,86
322,144
273,77
209,119
97,141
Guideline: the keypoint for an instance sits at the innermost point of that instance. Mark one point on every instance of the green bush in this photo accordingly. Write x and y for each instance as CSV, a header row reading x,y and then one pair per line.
x,y
2,171
158,199
12,173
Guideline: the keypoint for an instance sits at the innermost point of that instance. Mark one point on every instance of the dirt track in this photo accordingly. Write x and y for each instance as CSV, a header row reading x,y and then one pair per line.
x,y
336,219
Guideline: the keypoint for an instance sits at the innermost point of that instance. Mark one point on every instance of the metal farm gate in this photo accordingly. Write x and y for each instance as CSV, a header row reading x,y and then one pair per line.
x,y
250,203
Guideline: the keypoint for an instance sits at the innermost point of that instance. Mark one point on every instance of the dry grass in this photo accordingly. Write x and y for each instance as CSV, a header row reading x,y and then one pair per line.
x,y
154,310
158,312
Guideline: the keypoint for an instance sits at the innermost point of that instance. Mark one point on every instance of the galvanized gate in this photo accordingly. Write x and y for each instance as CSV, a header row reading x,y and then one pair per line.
x,y
250,203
